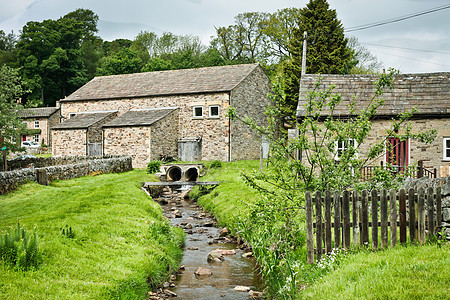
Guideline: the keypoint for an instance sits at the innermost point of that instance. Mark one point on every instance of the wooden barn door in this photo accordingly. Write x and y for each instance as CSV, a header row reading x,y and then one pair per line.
x,y
397,153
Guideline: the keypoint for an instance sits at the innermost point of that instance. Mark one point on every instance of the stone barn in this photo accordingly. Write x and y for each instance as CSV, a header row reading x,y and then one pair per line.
x,y
429,93
201,96
81,135
144,134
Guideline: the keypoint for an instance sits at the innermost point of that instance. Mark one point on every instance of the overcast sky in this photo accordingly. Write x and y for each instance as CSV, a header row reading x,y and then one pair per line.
x,y
429,33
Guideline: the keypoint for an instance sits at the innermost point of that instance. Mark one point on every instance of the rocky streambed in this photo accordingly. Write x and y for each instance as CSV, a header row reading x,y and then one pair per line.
x,y
214,265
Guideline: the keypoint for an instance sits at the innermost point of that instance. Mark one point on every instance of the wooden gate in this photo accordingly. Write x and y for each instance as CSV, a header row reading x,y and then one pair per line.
x,y
94,149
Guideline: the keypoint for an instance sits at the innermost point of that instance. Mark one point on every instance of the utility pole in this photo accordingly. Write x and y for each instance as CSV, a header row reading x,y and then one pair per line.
x,y
305,34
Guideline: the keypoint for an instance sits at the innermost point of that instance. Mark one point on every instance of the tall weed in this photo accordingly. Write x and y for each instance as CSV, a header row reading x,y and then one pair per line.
x,y
19,248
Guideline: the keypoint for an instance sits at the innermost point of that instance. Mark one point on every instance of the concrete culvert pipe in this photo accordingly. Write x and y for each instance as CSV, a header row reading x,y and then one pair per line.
x,y
191,174
174,173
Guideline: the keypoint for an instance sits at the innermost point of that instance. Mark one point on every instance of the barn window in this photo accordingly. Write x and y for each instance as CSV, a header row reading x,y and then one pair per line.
x,y
214,111
446,145
71,115
198,111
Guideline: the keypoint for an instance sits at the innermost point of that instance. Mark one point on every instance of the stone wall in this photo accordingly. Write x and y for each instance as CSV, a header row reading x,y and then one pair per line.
x,y
250,100
81,167
444,184
69,142
95,132
164,137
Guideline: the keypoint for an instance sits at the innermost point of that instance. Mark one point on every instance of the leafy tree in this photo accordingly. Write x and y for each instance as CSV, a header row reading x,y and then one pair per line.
x,y
327,48
125,61
8,51
11,89
367,62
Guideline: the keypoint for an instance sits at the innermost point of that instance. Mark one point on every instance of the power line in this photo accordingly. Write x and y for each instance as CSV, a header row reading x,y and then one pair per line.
x,y
428,62
398,19
404,48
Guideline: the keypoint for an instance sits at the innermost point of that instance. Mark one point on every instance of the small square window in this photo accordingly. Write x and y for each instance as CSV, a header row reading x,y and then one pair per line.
x,y
71,115
198,111
446,148
214,111
36,138
36,124
344,145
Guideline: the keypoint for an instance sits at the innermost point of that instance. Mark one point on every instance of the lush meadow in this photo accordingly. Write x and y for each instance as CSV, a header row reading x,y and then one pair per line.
x,y
404,272
119,247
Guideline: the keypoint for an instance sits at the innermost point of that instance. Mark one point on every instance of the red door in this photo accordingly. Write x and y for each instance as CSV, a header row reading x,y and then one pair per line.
x,y
24,138
397,153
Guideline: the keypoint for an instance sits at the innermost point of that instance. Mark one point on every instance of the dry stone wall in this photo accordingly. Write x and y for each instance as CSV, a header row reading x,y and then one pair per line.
x,y
74,167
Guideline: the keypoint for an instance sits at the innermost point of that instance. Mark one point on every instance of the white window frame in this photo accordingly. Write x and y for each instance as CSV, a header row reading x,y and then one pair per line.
x,y
445,148
36,124
36,138
210,111
343,148
194,112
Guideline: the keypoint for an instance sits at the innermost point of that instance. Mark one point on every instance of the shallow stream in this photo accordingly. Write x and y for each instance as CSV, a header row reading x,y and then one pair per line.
x,y
201,239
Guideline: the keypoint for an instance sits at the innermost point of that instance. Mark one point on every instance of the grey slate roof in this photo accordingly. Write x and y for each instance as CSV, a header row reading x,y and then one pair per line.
x,y
140,117
83,120
173,82
428,92
39,112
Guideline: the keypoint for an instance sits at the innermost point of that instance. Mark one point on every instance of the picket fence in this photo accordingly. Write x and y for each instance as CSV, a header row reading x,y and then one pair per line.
x,y
419,212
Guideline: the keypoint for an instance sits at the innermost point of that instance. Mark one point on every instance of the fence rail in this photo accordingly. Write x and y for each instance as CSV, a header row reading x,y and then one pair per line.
x,y
418,171
347,214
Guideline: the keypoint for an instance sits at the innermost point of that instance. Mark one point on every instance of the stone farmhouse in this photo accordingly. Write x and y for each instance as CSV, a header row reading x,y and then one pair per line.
x,y
428,92
178,113
39,122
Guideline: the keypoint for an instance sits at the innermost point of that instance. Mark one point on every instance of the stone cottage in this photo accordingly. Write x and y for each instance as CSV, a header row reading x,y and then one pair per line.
x,y
39,122
81,135
197,99
429,93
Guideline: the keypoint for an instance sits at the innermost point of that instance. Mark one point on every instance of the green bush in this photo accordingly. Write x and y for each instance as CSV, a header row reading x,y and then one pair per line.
x,y
216,164
19,249
153,166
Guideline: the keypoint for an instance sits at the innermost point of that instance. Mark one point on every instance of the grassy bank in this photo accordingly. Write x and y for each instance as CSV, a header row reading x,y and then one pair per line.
x,y
122,243
411,272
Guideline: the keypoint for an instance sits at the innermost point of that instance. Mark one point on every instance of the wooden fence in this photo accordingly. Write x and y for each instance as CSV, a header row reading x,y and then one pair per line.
x,y
418,171
348,213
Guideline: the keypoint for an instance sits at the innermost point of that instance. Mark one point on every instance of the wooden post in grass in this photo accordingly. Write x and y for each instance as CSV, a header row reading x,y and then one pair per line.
x,y
355,209
430,212
384,219
421,215
346,219
309,229
318,200
365,217
337,219
374,219
328,244
412,215
402,213
438,208
393,216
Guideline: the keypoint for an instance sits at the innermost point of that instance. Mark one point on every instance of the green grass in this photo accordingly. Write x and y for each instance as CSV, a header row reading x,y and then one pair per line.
x,y
122,242
230,200
413,272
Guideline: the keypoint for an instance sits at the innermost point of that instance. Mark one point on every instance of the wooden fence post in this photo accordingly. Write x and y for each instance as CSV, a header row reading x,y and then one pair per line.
x,y
318,200
412,215
328,244
438,208
365,218
384,219
42,177
374,219
337,219
430,212
346,219
421,216
309,229
402,213
355,209
393,216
